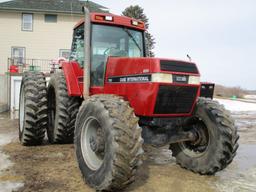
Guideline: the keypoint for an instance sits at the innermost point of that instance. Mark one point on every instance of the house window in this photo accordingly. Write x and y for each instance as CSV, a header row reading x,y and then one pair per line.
x,y
48,18
65,53
27,22
18,54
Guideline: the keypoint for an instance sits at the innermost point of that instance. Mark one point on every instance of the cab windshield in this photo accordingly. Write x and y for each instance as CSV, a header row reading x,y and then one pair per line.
x,y
115,42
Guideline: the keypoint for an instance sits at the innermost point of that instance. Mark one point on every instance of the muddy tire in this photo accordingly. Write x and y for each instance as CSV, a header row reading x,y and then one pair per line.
x,y
108,142
32,109
62,111
216,145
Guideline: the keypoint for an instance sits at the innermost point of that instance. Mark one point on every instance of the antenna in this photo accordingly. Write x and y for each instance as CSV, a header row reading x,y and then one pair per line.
x,y
190,59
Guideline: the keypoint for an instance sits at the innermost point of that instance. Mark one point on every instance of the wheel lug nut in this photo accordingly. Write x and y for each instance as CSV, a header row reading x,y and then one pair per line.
x,y
93,144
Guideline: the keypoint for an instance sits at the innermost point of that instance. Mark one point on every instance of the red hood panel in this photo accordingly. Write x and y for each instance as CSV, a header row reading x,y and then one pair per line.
x,y
117,66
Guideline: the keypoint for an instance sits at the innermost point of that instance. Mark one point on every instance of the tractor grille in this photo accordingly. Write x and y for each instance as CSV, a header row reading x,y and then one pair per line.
x,y
175,99
178,66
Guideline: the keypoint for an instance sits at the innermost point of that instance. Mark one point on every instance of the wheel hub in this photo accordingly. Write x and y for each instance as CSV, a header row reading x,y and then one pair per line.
x,y
200,144
92,143
200,136
97,143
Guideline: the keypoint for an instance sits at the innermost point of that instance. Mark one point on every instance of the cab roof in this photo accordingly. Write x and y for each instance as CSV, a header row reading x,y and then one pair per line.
x,y
117,20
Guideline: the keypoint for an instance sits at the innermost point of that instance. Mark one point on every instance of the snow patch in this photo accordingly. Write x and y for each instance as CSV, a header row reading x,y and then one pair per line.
x,y
4,162
7,186
250,96
233,105
243,182
241,174
6,138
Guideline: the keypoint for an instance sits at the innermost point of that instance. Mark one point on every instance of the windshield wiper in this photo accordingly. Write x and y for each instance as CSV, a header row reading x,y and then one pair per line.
x,y
133,39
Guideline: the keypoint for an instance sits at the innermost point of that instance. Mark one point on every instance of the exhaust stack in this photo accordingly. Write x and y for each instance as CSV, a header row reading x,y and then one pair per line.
x,y
87,51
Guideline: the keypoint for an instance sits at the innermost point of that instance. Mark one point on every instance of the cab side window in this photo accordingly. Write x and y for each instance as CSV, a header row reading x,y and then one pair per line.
x,y
77,50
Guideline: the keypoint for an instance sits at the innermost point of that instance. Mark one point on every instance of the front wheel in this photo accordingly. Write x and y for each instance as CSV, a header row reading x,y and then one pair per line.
x,y
108,142
216,143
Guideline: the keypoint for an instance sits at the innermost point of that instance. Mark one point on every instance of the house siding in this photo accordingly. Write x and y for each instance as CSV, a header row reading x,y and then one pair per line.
x,y
44,42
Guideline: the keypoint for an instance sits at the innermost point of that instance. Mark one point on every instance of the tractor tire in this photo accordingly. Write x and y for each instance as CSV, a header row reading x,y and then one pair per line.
x,y
108,142
216,145
32,109
62,111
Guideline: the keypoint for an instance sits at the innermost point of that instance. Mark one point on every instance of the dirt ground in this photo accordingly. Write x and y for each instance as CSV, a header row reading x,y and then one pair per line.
x,y
51,168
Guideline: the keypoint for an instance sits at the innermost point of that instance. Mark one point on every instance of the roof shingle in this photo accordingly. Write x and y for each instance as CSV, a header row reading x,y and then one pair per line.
x,y
57,6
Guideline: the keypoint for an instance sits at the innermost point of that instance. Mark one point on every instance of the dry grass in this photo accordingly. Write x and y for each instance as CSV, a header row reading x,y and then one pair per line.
x,y
222,91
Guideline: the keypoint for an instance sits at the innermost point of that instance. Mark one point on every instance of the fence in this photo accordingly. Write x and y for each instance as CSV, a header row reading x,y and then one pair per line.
x,y
22,64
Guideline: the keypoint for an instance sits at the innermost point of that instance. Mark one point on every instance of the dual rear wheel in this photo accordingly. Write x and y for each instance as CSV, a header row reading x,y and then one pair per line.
x,y
32,109
41,110
62,111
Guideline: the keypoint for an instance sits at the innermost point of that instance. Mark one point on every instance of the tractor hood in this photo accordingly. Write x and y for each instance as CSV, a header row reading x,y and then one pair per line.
x,y
151,69
154,86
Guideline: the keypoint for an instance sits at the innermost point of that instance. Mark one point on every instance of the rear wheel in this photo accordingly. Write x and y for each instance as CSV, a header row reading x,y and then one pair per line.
x,y
216,143
108,142
32,109
62,110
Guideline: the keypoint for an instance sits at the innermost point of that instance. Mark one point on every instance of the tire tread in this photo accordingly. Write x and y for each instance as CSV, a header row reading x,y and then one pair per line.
x,y
36,103
228,140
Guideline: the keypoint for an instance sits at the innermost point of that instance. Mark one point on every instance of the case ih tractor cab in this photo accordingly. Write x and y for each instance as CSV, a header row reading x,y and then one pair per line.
x,y
110,97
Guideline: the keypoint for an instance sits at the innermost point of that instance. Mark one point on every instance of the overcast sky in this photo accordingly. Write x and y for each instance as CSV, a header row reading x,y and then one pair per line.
x,y
219,35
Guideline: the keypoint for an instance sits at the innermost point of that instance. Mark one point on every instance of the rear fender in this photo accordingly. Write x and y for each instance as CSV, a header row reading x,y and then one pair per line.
x,y
74,78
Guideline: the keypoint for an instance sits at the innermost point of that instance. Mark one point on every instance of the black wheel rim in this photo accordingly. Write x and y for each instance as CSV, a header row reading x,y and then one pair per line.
x,y
198,147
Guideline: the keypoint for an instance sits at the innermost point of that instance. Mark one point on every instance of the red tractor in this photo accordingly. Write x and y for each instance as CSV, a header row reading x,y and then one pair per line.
x,y
110,97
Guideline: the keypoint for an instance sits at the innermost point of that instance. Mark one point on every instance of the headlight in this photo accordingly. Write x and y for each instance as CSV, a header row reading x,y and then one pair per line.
x,y
194,80
168,78
161,78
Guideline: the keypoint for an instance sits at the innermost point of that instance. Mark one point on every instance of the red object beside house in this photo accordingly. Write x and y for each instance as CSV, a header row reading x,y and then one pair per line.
x,y
13,69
